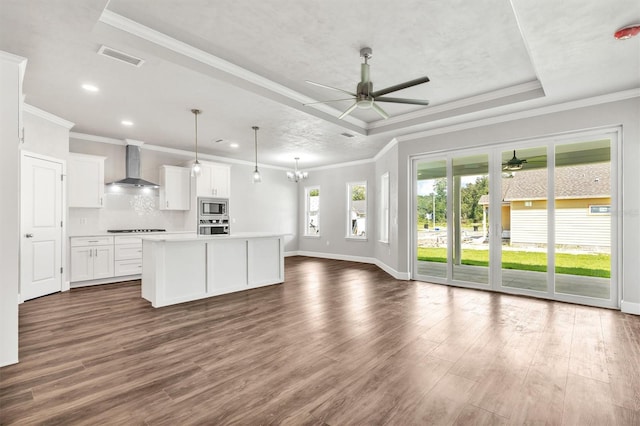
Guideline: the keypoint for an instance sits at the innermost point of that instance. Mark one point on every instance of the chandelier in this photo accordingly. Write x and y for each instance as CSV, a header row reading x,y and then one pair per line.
x,y
296,175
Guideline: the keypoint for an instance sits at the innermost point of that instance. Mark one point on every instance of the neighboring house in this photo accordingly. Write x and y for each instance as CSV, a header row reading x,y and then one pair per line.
x,y
583,206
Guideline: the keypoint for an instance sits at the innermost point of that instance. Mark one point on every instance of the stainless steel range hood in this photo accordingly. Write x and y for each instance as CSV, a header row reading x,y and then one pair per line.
x,y
132,178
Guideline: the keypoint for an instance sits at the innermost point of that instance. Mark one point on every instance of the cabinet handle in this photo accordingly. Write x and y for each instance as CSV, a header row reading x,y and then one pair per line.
x,y
28,235
100,200
90,252
96,252
92,241
167,204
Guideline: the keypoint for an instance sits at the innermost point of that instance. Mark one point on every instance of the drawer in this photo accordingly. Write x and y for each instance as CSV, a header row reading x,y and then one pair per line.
x,y
128,267
91,241
128,251
128,239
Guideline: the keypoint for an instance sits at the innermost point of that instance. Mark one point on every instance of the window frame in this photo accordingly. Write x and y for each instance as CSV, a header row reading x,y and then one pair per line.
x,y
384,225
349,220
307,215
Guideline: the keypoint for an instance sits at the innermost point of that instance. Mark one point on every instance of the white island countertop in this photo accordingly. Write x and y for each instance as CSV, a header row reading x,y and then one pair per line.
x,y
179,268
196,237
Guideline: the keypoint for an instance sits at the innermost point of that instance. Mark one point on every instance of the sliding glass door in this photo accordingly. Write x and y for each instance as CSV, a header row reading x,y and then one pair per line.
x,y
523,213
535,218
470,218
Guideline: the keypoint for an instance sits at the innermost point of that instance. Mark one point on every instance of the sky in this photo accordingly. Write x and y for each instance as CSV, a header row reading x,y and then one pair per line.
x,y
425,187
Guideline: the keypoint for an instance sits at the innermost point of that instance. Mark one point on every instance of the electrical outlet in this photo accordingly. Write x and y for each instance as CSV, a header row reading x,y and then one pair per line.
x,y
328,243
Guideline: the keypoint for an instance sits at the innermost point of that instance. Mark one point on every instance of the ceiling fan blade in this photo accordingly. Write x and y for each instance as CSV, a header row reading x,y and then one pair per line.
x,y
403,101
379,110
329,87
324,102
400,86
348,111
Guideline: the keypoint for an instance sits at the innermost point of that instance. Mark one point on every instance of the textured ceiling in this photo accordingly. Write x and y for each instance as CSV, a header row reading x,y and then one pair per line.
x,y
482,58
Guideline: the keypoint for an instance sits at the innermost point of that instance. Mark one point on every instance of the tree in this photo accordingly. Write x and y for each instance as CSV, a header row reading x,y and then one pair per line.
x,y
469,198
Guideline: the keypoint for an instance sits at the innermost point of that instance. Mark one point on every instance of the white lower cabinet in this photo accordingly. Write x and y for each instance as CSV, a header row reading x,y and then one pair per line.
x,y
91,258
102,259
128,256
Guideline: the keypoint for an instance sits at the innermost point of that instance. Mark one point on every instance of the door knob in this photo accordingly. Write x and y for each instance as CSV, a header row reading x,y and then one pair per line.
x,y
29,235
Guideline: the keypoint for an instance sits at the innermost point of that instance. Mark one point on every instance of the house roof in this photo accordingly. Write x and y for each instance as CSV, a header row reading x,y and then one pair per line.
x,y
579,181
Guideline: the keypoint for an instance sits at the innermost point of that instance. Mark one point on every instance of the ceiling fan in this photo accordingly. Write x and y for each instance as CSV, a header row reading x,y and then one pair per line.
x,y
365,97
516,163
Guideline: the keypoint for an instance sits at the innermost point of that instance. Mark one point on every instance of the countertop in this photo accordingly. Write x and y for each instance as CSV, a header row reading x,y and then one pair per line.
x,y
195,237
129,234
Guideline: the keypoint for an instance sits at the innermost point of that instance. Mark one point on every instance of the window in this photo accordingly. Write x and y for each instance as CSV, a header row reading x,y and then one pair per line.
x,y
384,208
312,211
357,210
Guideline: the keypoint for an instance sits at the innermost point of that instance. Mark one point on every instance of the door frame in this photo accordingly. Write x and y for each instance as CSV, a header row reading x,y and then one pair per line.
x,y
64,282
494,152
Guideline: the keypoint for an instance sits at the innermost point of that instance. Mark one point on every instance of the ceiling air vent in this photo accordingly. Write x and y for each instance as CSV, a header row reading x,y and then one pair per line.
x,y
120,56
347,135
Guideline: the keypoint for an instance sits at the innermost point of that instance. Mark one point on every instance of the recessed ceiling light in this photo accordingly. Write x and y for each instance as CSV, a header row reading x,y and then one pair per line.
x,y
90,87
234,145
127,123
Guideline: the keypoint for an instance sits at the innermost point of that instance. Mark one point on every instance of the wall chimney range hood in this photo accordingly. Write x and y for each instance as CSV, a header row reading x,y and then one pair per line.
x,y
132,178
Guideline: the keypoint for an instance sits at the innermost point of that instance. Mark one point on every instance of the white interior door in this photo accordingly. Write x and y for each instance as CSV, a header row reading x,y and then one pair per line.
x,y
41,227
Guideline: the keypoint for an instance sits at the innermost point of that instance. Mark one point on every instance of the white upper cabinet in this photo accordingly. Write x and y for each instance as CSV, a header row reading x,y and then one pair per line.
x,y
214,181
85,180
175,188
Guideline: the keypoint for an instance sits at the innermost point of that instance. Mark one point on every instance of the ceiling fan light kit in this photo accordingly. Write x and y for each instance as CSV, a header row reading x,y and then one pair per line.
x,y
365,97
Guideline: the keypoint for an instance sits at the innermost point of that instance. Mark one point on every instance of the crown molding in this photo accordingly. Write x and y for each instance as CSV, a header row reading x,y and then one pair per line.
x,y
47,116
461,103
338,165
10,57
94,138
174,151
385,149
503,118
134,28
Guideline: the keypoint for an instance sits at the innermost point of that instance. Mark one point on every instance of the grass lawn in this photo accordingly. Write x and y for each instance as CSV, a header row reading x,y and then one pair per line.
x,y
590,265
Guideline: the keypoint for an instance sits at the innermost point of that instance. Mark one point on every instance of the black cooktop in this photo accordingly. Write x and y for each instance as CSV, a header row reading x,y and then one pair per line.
x,y
124,231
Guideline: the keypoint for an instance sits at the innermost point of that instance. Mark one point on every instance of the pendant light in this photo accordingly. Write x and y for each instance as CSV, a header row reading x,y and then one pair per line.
x,y
195,168
297,175
256,174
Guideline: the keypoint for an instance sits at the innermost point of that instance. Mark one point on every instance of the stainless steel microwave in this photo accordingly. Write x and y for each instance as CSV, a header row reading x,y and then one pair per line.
x,y
213,208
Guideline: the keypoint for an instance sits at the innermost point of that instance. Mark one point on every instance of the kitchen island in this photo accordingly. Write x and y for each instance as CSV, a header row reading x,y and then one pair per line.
x,y
181,268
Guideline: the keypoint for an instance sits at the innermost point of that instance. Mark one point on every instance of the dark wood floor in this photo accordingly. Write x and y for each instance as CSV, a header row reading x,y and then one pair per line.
x,y
339,343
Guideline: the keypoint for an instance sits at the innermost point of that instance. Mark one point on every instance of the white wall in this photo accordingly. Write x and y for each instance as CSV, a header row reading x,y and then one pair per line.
x,y
42,136
333,212
625,113
268,206
11,69
387,253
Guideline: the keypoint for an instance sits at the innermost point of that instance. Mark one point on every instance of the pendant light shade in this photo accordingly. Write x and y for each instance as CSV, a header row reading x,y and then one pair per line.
x,y
256,173
296,175
195,167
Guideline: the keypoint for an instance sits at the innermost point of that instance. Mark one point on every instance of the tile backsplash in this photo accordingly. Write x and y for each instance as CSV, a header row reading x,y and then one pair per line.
x,y
128,208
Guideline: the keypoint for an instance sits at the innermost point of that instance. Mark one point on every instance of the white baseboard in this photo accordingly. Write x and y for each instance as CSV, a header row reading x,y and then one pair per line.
x,y
335,256
290,253
630,307
389,270
362,259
